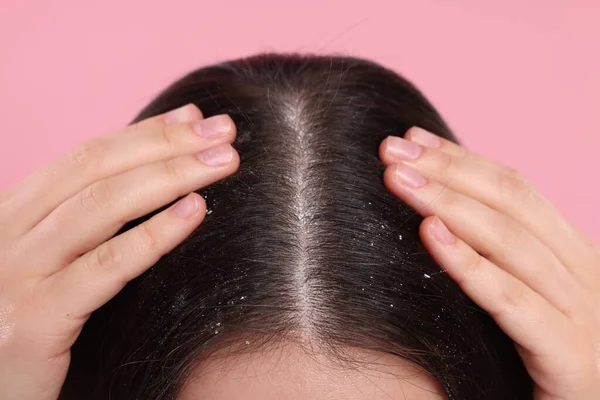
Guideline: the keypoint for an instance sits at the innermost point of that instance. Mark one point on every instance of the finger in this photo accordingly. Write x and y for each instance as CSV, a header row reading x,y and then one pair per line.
x,y
428,139
100,274
503,241
98,212
506,191
82,164
154,139
524,315
101,148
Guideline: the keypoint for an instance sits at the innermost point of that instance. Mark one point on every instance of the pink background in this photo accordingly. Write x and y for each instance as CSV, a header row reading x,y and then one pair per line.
x,y
518,80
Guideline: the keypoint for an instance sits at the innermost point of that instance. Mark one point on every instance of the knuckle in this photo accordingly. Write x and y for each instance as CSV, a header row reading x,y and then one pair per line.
x,y
147,238
512,298
514,188
165,137
173,170
473,266
106,257
79,154
448,167
84,155
96,196
511,234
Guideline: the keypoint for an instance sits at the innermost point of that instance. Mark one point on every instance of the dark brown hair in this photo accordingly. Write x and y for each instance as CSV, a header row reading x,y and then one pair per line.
x,y
304,237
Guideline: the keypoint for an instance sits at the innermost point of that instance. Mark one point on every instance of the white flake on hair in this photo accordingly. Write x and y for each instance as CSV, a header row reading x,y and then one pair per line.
x,y
293,121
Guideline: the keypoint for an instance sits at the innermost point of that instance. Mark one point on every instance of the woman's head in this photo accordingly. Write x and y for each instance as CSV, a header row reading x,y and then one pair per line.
x,y
307,277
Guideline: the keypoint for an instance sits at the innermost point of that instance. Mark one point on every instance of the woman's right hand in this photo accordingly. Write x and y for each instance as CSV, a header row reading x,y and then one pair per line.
x,y
58,259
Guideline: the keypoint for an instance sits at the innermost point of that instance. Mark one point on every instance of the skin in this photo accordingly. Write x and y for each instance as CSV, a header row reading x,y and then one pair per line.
x,y
511,252
488,228
289,371
54,273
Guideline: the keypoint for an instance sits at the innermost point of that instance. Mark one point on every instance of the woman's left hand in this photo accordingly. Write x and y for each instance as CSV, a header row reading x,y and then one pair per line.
x,y
511,252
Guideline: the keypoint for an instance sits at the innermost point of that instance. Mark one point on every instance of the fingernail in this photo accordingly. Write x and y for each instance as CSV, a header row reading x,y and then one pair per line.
x,y
424,138
212,127
403,149
186,207
217,155
180,115
409,176
440,232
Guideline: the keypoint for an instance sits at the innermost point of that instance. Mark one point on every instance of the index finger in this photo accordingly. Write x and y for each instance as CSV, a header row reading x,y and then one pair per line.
x,y
501,188
179,132
428,139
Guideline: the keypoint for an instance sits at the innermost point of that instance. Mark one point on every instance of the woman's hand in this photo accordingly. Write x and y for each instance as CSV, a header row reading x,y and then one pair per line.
x,y
58,262
511,252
